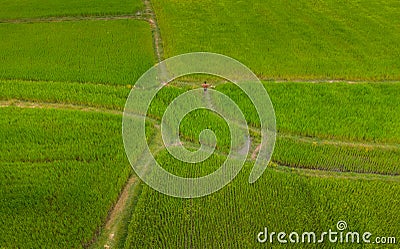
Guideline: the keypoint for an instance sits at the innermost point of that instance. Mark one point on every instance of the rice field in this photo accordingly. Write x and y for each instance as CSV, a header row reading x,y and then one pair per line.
x,y
59,175
67,67
283,200
289,40
17,9
106,52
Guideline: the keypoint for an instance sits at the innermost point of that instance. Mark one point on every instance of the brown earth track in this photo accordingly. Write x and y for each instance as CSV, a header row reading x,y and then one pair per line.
x,y
137,16
157,42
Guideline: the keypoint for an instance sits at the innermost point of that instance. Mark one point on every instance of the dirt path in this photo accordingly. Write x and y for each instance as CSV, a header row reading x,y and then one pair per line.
x,y
138,16
157,42
318,141
114,228
255,152
120,204
356,174
316,81
63,106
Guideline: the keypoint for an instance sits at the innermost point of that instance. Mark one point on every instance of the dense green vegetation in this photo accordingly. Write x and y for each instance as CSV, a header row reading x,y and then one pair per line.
x,y
62,161
367,112
60,172
314,154
282,200
289,39
353,112
307,136
13,9
114,52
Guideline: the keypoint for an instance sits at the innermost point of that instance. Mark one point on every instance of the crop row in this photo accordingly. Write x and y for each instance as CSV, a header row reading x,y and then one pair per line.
x,y
282,40
113,52
353,112
336,157
281,200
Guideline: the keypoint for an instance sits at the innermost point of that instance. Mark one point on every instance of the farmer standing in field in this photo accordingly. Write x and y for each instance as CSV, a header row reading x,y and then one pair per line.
x,y
205,86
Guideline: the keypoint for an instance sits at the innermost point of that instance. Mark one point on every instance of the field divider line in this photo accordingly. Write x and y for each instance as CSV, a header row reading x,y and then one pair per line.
x,y
320,81
152,19
52,105
322,141
195,83
111,229
157,41
124,206
316,171
137,16
109,84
